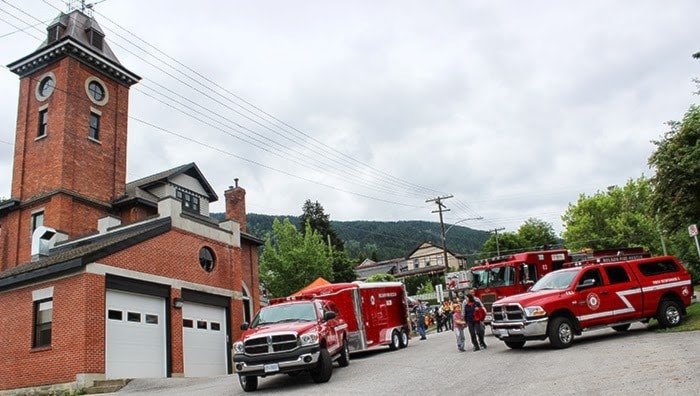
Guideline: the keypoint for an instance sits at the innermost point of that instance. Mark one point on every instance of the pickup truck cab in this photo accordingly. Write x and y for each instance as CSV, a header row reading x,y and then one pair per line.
x,y
614,294
289,338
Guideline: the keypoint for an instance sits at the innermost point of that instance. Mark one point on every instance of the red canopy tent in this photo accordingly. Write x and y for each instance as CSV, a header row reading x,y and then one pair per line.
x,y
318,282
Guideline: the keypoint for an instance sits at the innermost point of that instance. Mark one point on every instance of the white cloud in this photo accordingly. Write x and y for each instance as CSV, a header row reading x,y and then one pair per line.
x,y
513,107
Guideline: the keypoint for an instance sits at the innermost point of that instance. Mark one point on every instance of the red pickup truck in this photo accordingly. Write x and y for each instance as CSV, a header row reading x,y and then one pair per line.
x,y
613,293
291,337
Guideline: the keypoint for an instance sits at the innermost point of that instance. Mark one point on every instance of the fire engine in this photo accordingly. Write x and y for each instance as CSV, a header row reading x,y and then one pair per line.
x,y
498,277
376,312
605,292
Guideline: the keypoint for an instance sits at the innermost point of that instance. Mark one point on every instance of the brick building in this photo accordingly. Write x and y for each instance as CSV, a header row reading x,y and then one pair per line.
x,y
100,278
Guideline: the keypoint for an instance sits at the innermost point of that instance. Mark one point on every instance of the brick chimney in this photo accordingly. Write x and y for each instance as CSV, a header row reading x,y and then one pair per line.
x,y
235,204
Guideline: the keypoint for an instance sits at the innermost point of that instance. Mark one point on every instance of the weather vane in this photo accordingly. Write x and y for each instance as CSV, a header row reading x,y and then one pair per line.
x,y
85,8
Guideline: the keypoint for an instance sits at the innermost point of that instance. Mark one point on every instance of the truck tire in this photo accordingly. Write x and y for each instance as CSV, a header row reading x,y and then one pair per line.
x,y
344,359
395,340
621,328
249,383
404,339
560,332
515,344
324,369
668,314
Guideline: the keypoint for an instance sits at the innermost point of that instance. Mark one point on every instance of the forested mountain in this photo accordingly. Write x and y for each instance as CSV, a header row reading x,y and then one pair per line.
x,y
382,240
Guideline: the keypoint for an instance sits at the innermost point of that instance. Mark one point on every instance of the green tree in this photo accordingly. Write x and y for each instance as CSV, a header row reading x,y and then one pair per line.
x,y
320,222
426,288
508,242
381,278
413,283
314,215
292,260
537,234
619,217
676,184
343,267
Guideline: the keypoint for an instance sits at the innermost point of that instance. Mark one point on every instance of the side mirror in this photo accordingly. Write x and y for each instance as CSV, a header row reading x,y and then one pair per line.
x,y
585,284
328,316
244,326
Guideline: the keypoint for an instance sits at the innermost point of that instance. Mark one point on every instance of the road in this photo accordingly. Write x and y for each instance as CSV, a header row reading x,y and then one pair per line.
x,y
599,363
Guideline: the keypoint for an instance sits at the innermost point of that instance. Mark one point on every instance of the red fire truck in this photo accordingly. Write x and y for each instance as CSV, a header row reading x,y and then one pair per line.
x,y
498,277
376,313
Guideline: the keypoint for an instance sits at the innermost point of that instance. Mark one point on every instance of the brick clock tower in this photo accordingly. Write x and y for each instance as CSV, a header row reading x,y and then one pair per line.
x,y
71,138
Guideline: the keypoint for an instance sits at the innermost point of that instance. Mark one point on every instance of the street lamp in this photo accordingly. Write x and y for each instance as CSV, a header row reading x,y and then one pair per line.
x,y
461,221
444,232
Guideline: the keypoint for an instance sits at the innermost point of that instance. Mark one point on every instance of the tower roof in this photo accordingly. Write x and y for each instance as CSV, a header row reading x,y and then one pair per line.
x,y
79,36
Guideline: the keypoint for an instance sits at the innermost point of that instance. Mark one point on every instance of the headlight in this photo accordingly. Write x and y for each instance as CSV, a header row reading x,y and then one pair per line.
x,y
238,347
309,338
534,311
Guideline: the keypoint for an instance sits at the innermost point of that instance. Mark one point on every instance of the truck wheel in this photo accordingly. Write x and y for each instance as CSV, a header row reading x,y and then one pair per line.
x,y
515,344
404,339
668,314
395,340
249,383
344,359
324,369
621,328
560,332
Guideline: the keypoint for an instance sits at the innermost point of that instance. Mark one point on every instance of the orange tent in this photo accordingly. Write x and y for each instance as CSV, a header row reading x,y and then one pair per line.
x,y
318,282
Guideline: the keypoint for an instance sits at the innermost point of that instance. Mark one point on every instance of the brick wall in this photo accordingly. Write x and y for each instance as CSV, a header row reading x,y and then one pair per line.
x,y
77,340
66,158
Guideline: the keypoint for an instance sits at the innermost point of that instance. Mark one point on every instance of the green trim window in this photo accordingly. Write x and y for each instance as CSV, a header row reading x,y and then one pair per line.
x,y
190,202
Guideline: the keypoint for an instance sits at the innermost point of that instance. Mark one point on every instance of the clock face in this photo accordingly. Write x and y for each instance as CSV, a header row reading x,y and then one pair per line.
x,y
97,92
46,86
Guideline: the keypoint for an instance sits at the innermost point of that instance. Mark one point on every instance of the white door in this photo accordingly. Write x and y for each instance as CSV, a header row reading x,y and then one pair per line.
x,y
204,340
134,336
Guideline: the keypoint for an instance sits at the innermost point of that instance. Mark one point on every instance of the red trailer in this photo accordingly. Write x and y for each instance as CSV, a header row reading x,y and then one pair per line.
x,y
376,313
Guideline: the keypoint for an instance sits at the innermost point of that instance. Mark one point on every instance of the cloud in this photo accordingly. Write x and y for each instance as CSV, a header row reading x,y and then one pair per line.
x,y
513,108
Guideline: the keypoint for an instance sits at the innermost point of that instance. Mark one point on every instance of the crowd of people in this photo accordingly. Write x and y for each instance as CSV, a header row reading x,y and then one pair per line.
x,y
456,315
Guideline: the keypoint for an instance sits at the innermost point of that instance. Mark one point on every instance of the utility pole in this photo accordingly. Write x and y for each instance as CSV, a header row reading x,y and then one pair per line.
x,y
442,208
495,230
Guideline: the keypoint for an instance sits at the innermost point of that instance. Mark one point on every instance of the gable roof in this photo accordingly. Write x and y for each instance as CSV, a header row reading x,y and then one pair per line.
x,y
138,189
74,254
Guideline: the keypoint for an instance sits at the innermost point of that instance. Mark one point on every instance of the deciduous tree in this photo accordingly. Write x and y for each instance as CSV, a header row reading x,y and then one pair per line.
x,y
292,260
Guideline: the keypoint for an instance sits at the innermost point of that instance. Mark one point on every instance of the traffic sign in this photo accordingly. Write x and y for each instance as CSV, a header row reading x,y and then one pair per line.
x,y
693,230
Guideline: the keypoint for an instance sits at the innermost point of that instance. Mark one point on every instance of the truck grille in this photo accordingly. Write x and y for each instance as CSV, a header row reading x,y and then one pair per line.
x,y
488,300
506,313
271,344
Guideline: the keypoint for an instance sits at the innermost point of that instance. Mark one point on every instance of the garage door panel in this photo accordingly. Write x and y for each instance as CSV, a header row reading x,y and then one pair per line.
x,y
134,336
204,340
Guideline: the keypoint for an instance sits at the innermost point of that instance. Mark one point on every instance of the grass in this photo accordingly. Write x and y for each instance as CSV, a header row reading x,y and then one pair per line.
x,y
690,322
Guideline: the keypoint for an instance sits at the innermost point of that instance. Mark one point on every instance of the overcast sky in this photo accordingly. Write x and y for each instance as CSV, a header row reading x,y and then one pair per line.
x,y
373,107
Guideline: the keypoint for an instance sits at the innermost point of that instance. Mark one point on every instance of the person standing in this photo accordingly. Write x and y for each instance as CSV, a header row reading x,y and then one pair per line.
x,y
458,323
439,318
447,308
420,319
474,314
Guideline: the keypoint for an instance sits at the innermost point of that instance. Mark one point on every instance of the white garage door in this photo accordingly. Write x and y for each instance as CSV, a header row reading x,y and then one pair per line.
x,y
134,336
204,340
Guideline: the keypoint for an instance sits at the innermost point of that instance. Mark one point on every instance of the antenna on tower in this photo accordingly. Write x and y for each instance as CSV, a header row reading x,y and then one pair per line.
x,y
85,8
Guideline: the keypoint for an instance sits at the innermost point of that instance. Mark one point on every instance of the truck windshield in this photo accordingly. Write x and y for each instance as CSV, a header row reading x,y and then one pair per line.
x,y
557,280
285,313
493,277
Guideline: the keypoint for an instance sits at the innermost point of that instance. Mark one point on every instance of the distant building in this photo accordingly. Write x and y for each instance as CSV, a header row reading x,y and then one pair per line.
x,y
99,278
427,258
